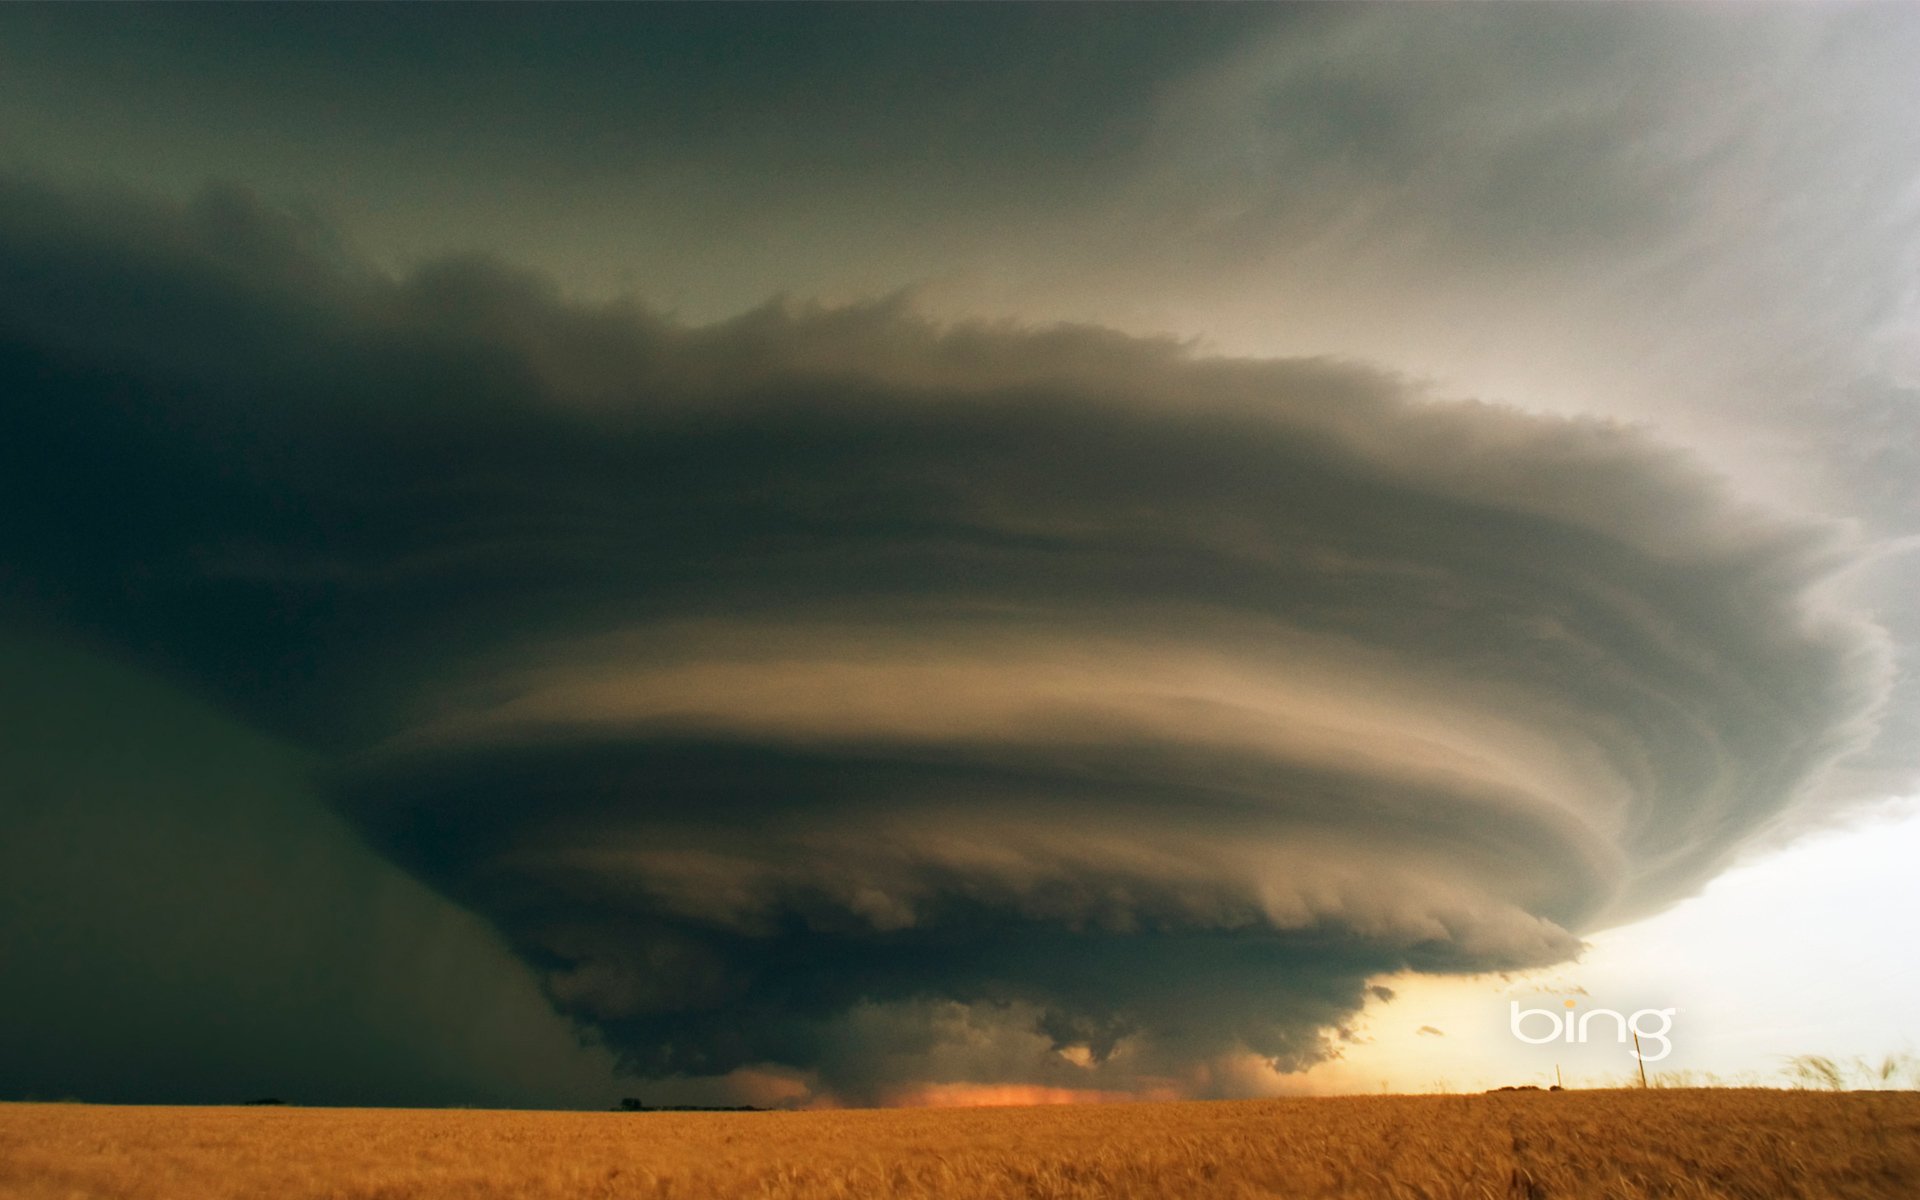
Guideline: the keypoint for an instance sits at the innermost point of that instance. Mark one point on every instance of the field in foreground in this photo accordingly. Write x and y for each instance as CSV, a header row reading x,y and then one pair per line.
x,y
1705,1143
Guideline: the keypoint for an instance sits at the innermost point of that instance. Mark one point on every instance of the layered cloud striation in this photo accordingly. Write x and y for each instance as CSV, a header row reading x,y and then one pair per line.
x,y
830,691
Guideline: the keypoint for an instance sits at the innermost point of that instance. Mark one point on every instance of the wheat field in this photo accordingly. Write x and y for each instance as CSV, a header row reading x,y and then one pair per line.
x,y
1755,1143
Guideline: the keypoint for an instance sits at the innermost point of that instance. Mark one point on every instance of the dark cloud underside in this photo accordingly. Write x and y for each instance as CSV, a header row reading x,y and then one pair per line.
x,y
775,686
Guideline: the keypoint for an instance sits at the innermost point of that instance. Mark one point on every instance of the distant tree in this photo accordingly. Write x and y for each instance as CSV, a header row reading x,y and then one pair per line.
x,y
633,1104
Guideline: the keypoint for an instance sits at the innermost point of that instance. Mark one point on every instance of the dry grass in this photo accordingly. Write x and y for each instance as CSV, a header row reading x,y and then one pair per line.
x,y
1705,1143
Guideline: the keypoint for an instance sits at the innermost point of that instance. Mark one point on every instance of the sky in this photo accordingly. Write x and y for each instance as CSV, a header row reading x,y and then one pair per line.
x,y
816,555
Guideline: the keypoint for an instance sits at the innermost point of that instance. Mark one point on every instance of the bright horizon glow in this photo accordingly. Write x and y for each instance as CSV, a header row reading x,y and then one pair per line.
x,y
1755,965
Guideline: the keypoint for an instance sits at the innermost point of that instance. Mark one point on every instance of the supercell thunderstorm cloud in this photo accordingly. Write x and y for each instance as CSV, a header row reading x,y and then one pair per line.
x,y
834,691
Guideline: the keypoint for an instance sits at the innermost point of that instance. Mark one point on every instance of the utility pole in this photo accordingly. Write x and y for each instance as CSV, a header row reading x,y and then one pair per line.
x,y
1556,1077
1642,1060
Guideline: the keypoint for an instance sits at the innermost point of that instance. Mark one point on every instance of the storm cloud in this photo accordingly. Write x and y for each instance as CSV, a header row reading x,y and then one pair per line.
x,y
835,692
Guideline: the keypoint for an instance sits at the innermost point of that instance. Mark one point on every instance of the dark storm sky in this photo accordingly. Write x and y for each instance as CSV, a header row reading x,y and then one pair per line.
x,y
471,641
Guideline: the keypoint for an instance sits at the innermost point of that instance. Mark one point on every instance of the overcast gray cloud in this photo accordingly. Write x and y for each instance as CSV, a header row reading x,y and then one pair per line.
x,y
844,697
1698,216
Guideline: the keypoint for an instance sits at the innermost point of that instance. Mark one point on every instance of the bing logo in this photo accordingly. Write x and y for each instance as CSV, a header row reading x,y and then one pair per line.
x,y
1550,1026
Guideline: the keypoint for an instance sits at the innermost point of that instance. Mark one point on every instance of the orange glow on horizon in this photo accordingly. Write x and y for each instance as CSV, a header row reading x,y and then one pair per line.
x,y
994,1095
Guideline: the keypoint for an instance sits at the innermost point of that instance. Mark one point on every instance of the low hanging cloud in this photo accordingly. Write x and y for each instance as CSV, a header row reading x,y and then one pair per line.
x,y
827,695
